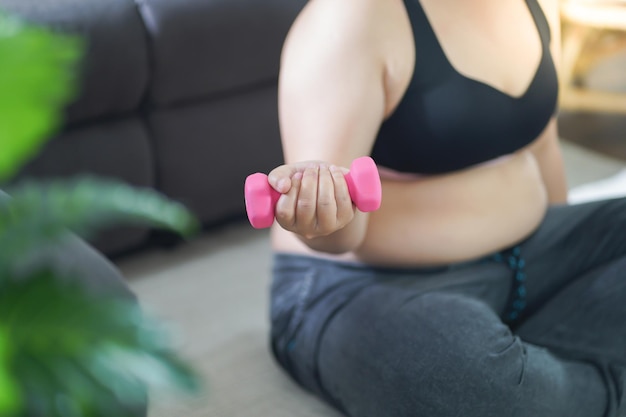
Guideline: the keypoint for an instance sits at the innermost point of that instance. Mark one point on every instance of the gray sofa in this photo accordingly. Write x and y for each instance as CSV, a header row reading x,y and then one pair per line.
x,y
177,95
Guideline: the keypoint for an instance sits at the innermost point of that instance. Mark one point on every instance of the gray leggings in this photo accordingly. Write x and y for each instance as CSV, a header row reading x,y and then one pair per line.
x,y
535,331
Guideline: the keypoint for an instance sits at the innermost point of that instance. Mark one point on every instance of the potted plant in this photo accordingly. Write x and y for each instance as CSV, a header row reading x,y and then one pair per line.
x,y
65,351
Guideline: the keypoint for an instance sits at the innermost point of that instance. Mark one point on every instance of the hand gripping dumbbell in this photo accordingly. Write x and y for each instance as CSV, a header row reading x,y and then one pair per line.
x,y
363,184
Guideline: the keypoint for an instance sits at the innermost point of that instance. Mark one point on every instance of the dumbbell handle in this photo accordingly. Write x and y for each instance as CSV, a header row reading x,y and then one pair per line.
x,y
363,185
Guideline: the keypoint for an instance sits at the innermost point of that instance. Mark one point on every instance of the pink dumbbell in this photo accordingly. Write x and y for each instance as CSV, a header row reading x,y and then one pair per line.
x,y
363,184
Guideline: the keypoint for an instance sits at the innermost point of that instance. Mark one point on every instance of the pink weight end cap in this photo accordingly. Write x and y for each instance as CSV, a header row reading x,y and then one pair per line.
x,y
363,171
260,201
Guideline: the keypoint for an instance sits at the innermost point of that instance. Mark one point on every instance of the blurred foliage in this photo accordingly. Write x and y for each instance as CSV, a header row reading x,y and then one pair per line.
x,y
39,211
36,80
77,355
64,349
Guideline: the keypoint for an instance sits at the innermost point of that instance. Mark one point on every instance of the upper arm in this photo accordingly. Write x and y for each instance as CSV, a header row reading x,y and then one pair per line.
x,y
331,94
547,148
552,11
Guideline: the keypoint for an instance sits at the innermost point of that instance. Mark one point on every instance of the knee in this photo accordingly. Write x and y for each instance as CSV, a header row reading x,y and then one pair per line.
x,y
439,354
465,358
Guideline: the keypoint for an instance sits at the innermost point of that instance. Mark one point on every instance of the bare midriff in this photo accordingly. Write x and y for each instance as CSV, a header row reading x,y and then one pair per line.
x,y
442,219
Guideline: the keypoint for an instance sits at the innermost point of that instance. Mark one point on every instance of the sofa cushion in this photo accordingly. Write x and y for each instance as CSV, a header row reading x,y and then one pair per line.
x,y
114,72
206,47
207,150
116,149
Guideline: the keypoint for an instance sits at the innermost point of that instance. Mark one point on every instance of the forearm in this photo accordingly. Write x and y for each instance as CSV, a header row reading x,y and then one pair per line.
x,y
344,240
556,185
547,152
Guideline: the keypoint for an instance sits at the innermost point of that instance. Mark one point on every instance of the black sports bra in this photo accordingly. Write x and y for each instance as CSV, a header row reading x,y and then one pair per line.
x,y
446,122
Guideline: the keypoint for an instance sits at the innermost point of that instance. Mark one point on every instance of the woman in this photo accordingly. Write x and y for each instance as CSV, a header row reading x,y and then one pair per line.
x,y
474,290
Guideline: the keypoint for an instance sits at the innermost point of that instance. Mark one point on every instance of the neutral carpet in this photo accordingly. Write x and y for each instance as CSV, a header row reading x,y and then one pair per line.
x,y
212,293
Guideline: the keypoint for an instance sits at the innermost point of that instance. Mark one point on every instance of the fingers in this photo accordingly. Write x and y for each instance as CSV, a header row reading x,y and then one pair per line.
x,y
296,210
280,178
285,211
326,219
317,203
306,205
345,208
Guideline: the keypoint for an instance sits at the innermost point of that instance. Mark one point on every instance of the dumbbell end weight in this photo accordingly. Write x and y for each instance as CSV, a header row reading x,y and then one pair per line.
x,y
364,184
261,200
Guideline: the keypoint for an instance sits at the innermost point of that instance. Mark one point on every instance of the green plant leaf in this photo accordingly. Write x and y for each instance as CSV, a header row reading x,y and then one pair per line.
x,y
36,80
39,212
77,354
63,351
10,396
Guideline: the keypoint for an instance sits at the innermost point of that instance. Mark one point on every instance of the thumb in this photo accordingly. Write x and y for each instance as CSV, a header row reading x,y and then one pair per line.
x,y
280,178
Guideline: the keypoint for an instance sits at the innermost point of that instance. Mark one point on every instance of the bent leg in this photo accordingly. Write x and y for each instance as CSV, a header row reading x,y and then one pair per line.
x,y
571,241
390,354
587,321
587,318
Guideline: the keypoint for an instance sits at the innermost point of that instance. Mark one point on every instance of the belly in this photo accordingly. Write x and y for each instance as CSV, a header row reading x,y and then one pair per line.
x,y
448,218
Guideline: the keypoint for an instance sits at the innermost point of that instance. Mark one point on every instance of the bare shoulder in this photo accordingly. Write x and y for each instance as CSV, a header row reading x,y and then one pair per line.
x,y
375,34
333,89
330,92
335,23
551,9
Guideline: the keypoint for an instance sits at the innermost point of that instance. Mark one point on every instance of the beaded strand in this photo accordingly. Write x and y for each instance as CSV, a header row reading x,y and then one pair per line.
x,y
517,303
